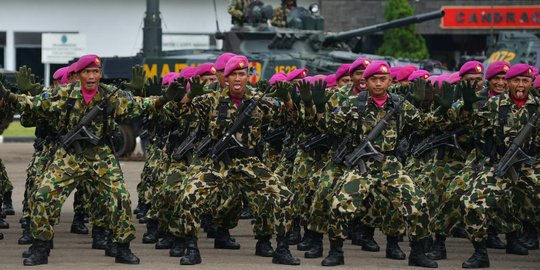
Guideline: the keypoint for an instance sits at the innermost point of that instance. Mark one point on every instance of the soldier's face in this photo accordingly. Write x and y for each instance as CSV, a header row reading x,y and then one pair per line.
x,y
237,81
209,79
498,84
358,79
478,78
378,84
89,77
345,80
519,87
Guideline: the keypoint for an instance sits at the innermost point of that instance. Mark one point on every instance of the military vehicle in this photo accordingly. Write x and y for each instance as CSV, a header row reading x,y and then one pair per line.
x,y
269,49
514,47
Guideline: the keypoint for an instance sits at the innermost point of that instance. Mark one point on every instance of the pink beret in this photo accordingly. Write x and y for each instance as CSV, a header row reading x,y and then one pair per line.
x,y
169,78
278,77
519,70
235,63
394,71
452,78
424,74
297,74
471,67
72,68
317,78
405,72
342,71
432,79
222,60
331,80
59,73
496,68
438,82
359,64
86,61
537,82
535,71
206,69
188,72
377,67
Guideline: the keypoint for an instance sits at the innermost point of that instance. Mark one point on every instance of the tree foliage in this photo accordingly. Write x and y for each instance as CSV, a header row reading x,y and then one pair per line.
x,y
402,41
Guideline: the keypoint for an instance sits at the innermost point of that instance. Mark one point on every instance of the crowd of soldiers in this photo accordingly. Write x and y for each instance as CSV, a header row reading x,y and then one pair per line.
x,y
371,146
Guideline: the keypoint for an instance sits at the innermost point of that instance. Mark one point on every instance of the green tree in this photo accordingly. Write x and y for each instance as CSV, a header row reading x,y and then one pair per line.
x,y
402,41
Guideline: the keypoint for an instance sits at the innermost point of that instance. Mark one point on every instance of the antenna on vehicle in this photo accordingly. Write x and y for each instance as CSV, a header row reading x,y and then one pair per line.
x,y
215,13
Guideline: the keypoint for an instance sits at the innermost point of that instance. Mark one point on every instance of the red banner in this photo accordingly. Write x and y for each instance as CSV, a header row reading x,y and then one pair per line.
x,y
485,17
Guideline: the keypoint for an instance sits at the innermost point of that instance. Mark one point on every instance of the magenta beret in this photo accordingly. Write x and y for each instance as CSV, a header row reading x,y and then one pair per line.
x,y
235,63
188,72
331,80
424,74
377,67
359,64
394,71
453,78
60,72
519,70
169,78
496,68
297,74
206,69
471,67
86,61
537,82
278,77
222,60
405,72
317,78
342,71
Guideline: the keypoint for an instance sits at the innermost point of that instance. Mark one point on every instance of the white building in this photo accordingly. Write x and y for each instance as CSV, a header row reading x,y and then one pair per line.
x,y
111,27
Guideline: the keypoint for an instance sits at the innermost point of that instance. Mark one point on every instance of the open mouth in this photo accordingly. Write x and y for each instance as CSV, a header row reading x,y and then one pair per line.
x,y
520,94
237,86
362,86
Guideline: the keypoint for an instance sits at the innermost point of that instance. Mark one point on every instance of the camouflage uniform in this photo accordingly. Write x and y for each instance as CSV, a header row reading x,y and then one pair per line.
x,y
279,19
96,166
237,9
500,201
268,198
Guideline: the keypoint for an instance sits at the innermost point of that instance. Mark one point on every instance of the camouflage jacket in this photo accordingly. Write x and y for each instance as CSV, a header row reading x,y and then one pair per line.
x,y
279,19
490,133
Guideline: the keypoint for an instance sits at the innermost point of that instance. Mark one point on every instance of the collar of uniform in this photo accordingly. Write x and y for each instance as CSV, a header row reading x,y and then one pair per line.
x,y
77,93
507,100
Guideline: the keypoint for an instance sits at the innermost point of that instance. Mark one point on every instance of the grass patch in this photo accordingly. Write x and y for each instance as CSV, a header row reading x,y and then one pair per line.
x,y
16,130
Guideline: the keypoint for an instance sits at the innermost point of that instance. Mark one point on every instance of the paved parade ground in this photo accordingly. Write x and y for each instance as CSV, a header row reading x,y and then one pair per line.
x,y
72,251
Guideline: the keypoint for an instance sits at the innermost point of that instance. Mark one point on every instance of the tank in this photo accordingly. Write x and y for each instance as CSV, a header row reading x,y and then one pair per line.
x,y
514,47
269,49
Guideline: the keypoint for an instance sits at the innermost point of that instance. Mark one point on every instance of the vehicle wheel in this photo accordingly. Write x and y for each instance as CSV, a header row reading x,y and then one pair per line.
x,y
123,140
5,121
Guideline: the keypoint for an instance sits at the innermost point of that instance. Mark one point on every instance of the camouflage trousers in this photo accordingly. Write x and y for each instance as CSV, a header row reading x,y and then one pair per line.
x,y
500,201
149,182
268,198
284,168
102,179
388,179
5,184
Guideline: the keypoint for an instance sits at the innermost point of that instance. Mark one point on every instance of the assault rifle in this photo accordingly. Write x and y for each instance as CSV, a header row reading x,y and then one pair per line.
x,y
186,146
277,135
342,150
366,149
81,133
202,148
434,141
228,141
314,141
515,154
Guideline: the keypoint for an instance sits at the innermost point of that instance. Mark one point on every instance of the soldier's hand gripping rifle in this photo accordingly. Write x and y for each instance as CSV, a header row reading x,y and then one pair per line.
x,y
81,132
228,141
515,154
366,149
186,146
448,139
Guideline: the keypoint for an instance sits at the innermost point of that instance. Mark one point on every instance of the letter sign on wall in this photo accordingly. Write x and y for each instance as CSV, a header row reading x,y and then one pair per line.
x,y
485,17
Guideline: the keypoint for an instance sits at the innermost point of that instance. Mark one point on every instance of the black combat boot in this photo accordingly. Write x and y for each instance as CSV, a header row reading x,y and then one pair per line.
x,y
368,242
166,242
246,213
493,240
143,208
282,254
316,250
223,240
8,204
26,238
356,233
27,253
307,240
335,255
39,253
112,249
438,251
178,248
192,255
3,224
100,236
22,221
151,234
294,236
77,226
480,258
392,248
1,236
138,207
529,237
264,247
418,258
514,246
124,254
460,232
